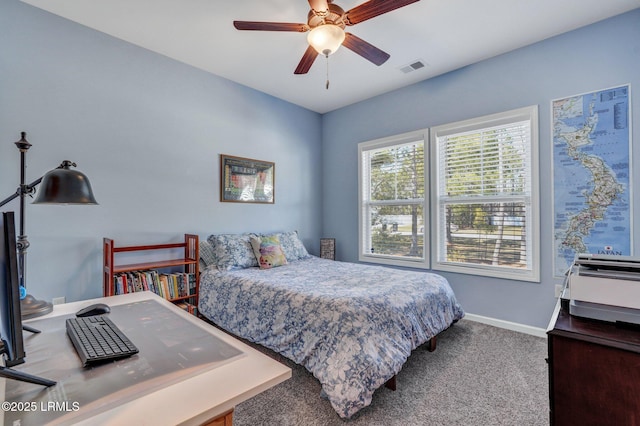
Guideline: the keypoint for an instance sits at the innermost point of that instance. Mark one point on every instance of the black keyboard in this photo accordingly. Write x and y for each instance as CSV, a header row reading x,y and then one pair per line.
x,y
98,339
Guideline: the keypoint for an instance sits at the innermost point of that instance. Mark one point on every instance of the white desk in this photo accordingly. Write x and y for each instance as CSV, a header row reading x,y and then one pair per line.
x,y
192,400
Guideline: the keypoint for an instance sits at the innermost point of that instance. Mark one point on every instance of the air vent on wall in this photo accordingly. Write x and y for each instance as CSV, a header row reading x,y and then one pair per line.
x,y
415,65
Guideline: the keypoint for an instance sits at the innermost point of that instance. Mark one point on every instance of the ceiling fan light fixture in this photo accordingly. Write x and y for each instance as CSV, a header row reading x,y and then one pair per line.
x,y
326,39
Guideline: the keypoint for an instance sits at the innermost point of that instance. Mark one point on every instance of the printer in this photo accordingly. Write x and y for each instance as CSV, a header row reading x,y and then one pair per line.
x,y
605,287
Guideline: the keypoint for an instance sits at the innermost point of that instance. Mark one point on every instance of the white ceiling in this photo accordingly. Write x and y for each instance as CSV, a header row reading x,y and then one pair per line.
x,y
444,34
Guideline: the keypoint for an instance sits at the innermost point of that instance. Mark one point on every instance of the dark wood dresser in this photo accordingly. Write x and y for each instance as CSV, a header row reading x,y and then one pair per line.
x,y
594,372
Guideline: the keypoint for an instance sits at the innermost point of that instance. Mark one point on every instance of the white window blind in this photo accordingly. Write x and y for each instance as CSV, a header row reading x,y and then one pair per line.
x,y
393,217
486,195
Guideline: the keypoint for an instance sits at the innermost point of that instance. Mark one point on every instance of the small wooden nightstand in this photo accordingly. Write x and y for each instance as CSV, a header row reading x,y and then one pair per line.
x,y
328,248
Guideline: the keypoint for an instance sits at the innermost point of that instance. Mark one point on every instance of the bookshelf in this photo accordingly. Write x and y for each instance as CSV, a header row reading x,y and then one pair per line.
x,y
179,287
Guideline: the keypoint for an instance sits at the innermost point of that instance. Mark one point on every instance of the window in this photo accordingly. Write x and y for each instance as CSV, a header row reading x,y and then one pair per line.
x,y
393,217
485,195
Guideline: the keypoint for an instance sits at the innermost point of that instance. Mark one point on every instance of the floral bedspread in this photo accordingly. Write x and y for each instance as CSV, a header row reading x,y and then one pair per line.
x,y
353,326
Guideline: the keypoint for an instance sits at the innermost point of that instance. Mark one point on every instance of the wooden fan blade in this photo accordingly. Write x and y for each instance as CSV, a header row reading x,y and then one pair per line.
x,y
269,26
364,49
373,8
307,60
319,5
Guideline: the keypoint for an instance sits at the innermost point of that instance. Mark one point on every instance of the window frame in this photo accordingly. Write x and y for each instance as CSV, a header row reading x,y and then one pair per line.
x,y
364,211
530,114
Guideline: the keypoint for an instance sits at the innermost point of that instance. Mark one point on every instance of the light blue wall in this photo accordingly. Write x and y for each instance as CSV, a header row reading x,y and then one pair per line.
x,y
147,131
602,55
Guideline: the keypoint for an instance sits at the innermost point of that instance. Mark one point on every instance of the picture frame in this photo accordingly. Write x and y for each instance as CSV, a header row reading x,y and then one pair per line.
x,y
246,180
328,248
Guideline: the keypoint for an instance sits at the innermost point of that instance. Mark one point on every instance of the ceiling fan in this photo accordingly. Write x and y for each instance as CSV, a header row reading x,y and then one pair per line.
x,y
326,22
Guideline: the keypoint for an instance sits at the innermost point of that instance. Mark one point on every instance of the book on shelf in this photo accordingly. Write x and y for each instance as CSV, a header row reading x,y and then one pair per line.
x,y
192,309
167,285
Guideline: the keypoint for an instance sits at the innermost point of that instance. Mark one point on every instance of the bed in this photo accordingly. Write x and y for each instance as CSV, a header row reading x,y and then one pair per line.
x,y
352,326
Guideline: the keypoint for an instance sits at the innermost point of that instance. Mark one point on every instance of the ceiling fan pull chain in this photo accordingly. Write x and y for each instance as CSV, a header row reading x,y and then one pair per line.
x,y
327,85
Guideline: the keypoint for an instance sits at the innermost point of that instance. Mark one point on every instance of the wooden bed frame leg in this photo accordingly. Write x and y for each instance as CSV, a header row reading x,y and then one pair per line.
x,y
431,344
391,383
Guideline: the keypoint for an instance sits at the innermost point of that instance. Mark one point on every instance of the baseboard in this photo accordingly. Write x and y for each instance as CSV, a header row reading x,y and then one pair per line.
x,y
514,326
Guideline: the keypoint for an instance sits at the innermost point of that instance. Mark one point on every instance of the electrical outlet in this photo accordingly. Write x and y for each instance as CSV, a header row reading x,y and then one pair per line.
x,y
58,300
559,288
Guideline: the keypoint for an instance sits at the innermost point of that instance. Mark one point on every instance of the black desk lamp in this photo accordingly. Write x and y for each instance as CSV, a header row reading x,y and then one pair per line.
x,y
59,186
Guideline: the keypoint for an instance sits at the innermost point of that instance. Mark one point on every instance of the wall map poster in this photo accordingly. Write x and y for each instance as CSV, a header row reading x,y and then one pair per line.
x,y
592,175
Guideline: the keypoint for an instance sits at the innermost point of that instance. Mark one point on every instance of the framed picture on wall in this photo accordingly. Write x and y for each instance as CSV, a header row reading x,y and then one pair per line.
x,y
245,180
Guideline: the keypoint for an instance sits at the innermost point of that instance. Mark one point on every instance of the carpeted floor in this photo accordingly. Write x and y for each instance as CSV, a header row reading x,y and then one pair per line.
x,y
478,375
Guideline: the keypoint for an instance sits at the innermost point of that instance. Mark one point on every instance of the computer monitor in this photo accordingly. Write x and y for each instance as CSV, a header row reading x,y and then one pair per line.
x,y
11,339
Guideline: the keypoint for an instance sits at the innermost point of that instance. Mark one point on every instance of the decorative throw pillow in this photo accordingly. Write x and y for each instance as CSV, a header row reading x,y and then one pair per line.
x,y
268,252
232,251
207,256
292,247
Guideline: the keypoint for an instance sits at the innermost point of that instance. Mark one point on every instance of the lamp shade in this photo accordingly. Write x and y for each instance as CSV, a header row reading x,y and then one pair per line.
x,y
326,39
65,186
